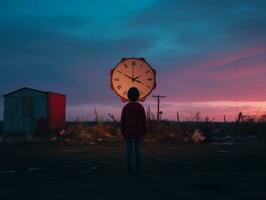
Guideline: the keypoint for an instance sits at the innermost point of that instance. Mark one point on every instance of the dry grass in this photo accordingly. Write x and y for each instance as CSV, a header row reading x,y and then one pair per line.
x,y
80,132
173,131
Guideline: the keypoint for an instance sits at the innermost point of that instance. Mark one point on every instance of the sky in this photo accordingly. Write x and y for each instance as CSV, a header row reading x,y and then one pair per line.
x,y
210,56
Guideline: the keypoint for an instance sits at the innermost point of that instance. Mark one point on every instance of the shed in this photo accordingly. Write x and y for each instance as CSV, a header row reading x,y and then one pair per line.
x,y
31,111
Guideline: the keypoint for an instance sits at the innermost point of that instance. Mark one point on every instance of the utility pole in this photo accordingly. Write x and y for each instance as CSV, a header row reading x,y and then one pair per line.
x,y
158,108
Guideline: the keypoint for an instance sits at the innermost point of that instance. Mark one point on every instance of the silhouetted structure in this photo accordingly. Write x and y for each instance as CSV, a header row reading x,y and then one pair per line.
x,y
30,111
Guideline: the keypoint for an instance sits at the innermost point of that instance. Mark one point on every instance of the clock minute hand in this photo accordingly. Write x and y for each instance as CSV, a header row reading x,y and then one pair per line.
x,y
132,73
137,77
129,77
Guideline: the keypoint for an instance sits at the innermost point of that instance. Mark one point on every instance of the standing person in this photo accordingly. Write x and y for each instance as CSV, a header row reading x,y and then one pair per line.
x,y
133,127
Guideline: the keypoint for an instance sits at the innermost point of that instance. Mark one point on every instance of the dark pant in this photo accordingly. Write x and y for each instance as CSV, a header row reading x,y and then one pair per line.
x,y
137,145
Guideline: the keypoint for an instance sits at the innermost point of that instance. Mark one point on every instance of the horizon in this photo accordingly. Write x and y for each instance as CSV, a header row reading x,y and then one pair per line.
x,y
210,57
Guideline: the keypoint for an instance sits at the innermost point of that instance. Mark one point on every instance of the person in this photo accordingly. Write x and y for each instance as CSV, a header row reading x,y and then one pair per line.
x,y
133,128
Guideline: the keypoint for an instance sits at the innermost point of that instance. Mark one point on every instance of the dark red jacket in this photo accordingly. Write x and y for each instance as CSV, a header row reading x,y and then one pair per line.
x,y
133,121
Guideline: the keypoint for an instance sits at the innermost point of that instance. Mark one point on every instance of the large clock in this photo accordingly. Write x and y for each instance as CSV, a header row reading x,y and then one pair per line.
x,y
133,72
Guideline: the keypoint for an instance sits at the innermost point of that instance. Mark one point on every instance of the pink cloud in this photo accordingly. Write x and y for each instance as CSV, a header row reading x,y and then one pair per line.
x,y
222,85
236,77
212,109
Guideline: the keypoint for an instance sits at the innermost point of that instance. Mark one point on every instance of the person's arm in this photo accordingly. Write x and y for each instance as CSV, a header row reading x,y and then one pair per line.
x,y
123,123
144,121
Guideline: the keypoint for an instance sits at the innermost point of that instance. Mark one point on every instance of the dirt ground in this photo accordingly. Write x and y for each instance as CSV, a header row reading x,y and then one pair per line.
x,y
170,171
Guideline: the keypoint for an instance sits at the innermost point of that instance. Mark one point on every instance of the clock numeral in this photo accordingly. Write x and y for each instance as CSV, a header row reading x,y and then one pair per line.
x,y
148,86
119,87
125,65
119,71
149,79
148,71
141,66
140,92
116,79
133,63
125,93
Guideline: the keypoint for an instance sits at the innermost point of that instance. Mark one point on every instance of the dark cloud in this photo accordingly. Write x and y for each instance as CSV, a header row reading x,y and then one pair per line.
x,y
199,27
72,48
37,55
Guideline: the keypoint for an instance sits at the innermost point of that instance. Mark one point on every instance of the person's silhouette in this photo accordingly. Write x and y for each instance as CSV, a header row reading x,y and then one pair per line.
x,y
133,127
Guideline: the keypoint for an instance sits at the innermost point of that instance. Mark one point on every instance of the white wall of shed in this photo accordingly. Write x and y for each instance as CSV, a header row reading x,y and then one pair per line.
x,y
14,121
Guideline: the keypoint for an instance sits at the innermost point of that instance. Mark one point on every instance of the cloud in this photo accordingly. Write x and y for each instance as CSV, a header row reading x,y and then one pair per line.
x,y
225,77
186,110
212,109
202,50
195,28
36,55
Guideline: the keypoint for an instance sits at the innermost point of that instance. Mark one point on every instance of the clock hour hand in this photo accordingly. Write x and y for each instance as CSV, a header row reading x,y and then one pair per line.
x,y
138,81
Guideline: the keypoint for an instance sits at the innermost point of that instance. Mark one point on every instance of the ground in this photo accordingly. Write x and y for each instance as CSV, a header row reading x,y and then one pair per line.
x,y
170,171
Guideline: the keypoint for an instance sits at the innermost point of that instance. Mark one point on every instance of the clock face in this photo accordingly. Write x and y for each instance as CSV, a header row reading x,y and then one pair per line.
x,y
133,72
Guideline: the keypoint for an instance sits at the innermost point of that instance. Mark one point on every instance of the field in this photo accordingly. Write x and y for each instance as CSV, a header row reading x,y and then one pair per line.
x,y
170,171
88,162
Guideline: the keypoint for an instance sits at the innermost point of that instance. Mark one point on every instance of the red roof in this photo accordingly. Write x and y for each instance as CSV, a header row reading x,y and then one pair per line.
x,y
26,88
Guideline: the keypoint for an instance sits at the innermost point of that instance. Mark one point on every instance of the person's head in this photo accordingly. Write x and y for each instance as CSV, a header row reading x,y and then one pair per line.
x,y
133,94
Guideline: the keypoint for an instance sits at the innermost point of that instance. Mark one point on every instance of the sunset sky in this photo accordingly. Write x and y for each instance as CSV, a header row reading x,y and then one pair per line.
x,y
210,56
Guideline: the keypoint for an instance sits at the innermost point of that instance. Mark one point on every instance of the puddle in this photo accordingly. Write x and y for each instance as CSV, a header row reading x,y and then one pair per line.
x,y
89,171
209,186
8,171
106,162
34,169
222,151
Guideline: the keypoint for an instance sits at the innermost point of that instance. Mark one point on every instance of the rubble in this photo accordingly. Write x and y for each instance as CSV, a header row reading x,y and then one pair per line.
x,y
198,137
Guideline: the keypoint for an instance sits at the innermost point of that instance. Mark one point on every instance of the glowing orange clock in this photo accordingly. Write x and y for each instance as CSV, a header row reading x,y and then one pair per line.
x,y
133,72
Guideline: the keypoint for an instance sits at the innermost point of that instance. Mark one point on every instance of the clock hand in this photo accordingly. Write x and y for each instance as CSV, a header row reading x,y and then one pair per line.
x,y
129,77
138,81
132,73
137,77
134,79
